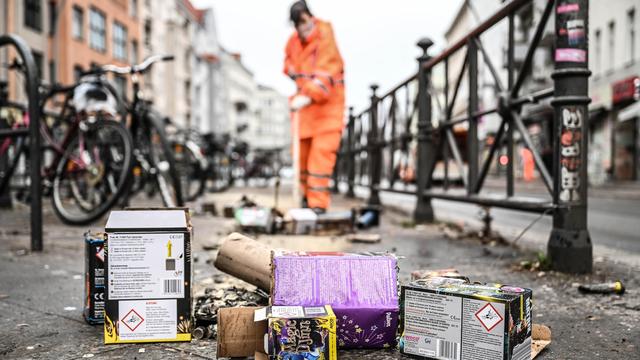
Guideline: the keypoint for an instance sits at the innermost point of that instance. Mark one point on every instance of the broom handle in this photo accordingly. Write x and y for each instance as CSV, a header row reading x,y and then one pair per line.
x,y
295,132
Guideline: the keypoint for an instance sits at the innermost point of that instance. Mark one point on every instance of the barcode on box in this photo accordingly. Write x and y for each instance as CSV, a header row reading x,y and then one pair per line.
x,y
448,350
172,286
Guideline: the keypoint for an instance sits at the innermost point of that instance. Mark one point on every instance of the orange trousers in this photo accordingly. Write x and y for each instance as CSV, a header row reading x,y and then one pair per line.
x,y
317,159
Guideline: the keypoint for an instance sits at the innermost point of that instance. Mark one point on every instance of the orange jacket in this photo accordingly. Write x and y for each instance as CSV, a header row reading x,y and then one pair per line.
x,y
317,67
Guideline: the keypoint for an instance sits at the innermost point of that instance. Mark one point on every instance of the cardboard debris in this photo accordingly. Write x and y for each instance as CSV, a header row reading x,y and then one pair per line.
x,y
238,334
361,289
541,336
245,259
447,273
364,238
335,223
301,221
255,219
449,318
148,276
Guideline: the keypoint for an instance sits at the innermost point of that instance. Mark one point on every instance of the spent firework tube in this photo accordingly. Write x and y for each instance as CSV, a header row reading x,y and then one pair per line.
x,y
615,287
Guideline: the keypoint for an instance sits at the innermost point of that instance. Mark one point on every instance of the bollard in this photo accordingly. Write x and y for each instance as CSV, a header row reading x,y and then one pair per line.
x,y
351,155
569,248
426,144
375,151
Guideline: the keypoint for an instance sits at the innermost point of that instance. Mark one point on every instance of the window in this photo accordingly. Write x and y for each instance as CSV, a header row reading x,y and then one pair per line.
x,y
147,32
598,52
631,23
119,41
33,14
612,37
134,52
133,8
77,73
52,72
39,60
120,83
53,18
97,30
77,26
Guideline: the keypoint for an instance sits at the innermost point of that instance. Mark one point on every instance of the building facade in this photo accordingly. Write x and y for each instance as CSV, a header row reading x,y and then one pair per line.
x,y
614,59
271,129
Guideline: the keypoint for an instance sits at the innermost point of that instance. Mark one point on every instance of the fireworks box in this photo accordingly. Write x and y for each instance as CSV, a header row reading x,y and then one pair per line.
x,y
297,332
94,278
444,318
148,276
362,290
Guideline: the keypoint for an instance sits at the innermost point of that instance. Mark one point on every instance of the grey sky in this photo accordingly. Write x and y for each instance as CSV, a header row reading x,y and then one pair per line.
x,y
376,38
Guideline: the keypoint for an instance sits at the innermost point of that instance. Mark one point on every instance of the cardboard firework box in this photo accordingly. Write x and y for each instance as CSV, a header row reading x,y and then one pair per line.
x,y
297,332
444,318
362,290
94,278
148,276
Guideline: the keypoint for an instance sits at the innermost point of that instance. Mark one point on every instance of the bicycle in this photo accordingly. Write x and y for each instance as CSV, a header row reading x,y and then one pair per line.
x,y
91,163
154,163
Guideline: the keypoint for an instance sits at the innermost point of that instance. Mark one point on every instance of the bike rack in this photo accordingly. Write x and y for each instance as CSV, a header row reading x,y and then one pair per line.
x,y
405,115
32,132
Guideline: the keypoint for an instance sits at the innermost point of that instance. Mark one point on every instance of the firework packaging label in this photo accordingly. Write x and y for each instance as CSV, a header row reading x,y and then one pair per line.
x,y
444,318
297,332
147,265
362,290
94,278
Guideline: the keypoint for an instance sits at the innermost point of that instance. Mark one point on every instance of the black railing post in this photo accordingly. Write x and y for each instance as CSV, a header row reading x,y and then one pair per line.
x,y
375,153
569,247
426,149
472,136
351,155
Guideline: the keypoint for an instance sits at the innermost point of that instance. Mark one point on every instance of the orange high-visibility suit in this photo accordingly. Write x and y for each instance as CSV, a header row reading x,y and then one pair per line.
x,y
318,70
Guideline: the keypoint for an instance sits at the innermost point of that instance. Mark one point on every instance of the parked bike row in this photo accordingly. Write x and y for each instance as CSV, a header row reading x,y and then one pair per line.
x,y
101,150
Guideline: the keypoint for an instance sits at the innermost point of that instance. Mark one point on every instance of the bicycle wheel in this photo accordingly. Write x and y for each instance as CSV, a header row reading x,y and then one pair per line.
x,y
164,165
190,171
93,172
220,169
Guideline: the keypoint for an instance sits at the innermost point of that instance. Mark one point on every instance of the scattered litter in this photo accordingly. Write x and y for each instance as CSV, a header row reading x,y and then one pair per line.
x,y
21,252
361,289
141,350
69,308
496,319
335,223
207,305
255,219
22,325
46,266
77,277
541,337
364,238
301,221
87,356
245,259
228,212
446,273
4,296
615,287
369,216
58,272
209,207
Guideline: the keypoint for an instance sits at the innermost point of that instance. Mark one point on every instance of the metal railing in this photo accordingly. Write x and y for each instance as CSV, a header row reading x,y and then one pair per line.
x,y
378,144
32,133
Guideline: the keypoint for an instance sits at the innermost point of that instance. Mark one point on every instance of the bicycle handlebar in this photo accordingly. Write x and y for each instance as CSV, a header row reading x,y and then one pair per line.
x,y
135,69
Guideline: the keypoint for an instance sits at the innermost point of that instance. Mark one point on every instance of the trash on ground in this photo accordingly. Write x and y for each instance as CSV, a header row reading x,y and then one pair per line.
x,y
209,207
245,259
615,287
228,212
361,288
364,238
369,216
314,330
335,223
301,221
93,311
483,319
149,257
69,308
238,334
447,273
541,337
255,219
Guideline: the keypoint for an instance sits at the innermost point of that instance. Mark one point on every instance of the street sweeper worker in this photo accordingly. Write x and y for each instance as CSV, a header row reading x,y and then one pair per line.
x,y
313,61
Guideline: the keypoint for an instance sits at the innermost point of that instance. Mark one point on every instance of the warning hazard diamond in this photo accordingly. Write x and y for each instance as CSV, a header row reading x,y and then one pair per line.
x,y
489,316
132,320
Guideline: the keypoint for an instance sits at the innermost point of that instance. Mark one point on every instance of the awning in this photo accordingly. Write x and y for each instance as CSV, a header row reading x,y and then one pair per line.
x,y
630,112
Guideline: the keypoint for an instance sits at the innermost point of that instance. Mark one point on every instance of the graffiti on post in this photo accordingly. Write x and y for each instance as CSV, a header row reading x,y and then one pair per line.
x,y
570,155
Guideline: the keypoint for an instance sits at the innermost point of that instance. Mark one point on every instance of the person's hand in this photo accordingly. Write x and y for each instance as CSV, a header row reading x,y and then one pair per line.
x,y
298,102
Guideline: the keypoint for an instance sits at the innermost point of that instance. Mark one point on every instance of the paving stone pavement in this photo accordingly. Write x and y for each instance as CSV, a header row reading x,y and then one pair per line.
x,y
41,293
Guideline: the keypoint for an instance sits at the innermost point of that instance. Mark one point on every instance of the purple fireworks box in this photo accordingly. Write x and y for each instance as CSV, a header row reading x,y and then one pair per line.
x,y
362,289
